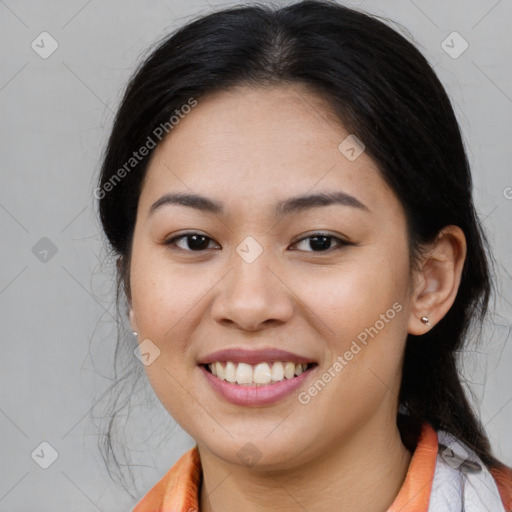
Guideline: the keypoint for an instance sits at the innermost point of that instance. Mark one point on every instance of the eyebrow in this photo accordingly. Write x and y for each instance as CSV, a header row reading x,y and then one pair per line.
x,y
292,205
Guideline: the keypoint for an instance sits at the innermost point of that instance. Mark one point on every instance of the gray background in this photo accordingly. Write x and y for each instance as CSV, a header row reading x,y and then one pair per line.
x,y
57,315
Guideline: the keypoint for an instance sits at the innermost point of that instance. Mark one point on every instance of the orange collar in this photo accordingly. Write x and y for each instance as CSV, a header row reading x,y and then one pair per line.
x,y
178,490
415,491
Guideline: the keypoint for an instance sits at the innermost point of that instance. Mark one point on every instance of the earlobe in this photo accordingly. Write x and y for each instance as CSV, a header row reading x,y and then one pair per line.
x,y
437,279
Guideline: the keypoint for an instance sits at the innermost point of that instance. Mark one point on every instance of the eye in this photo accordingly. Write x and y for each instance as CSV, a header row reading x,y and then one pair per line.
x,y
321,242
196,242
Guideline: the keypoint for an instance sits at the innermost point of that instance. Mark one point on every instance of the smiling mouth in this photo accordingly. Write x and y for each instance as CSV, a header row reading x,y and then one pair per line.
x,y
261,374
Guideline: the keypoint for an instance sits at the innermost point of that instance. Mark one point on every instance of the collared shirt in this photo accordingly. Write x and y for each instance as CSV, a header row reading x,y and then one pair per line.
x,y
178,490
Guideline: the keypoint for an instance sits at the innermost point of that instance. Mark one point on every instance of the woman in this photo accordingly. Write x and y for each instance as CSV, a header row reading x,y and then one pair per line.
x,y
289,200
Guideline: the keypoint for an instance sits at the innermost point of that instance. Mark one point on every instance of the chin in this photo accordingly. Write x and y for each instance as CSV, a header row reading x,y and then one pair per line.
x,y
260,453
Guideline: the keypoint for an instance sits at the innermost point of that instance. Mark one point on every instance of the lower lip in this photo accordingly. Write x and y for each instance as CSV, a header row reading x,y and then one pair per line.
x,y
255,395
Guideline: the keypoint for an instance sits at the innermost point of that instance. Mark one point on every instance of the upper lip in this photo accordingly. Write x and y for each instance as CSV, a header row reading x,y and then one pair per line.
x,y
242,355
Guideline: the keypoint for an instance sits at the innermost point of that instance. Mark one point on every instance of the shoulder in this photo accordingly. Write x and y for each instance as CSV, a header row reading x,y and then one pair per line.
x,y
503,477
441,465
480,477
177,489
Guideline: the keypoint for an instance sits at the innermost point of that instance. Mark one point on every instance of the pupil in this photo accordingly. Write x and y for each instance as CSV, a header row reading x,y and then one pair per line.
x,y
195,245
324,244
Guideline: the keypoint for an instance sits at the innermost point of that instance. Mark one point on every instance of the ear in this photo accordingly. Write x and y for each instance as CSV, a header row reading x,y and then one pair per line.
x,y
437,279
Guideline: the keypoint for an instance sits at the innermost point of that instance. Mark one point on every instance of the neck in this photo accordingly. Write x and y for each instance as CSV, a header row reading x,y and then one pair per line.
x,y
365,473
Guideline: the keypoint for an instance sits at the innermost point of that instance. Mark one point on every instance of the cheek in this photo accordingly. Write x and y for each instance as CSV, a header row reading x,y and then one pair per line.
x,y
361,313
164,294
356,294
164,299
363,330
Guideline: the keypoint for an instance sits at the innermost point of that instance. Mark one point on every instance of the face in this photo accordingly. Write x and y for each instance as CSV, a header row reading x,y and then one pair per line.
x,y
269,280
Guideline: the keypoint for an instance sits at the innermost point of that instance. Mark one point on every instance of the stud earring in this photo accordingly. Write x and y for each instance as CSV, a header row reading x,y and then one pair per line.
x,y
135,333
425,320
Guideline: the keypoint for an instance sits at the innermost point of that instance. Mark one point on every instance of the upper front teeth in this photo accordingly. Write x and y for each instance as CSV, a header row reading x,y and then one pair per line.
x,y
261,373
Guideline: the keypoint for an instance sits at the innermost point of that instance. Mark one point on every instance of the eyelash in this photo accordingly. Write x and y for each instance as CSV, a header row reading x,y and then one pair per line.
x,y
341,243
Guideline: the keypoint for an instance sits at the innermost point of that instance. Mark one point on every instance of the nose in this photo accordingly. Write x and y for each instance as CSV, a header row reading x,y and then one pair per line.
x,y
253,295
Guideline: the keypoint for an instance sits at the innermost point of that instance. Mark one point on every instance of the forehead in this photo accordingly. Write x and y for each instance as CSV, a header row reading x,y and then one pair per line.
x,y
261,143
